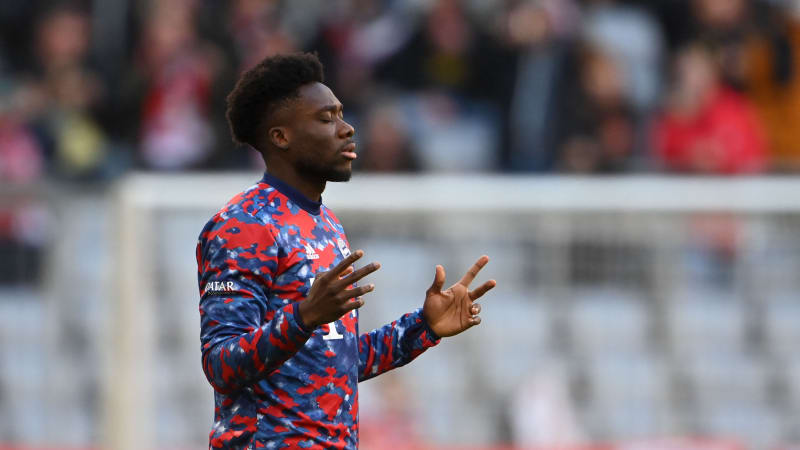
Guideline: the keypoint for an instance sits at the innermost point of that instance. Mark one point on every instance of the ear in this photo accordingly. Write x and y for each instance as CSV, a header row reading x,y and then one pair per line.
x,y
279,137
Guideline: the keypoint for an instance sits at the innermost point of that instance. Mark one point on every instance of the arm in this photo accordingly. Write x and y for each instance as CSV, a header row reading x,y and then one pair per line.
x,y
445,313
394,345
242,339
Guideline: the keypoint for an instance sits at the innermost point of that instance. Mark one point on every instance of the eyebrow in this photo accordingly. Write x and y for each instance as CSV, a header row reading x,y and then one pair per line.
x,y
332,108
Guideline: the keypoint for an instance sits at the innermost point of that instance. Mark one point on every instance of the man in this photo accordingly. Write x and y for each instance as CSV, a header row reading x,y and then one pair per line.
x,y
279,319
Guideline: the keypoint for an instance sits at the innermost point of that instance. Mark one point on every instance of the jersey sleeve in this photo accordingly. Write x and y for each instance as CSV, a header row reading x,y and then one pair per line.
x,y
394,345
243,339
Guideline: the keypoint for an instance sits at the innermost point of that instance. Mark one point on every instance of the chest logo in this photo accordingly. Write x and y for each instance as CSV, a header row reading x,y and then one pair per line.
x,y
310,252
343,247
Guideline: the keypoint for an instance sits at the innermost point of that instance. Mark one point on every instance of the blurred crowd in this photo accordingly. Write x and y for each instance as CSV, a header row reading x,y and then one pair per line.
x,y
90,90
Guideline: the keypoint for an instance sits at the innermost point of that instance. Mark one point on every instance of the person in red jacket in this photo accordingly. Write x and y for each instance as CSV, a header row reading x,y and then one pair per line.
x,y
706,126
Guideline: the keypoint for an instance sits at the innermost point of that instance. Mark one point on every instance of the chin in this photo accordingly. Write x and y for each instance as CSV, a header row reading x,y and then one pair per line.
x,y
339,175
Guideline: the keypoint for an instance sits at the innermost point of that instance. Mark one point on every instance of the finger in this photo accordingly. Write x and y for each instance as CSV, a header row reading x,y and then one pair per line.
x,y
438,280
474,321
482,289
356,292
337,271
346,272
355,304
475,309
473,271
359,274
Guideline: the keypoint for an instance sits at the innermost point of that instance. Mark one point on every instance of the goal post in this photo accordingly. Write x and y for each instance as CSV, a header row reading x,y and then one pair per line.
x,y
563,235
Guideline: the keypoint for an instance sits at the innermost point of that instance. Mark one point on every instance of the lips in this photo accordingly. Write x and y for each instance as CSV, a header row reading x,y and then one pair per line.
x,y
349,151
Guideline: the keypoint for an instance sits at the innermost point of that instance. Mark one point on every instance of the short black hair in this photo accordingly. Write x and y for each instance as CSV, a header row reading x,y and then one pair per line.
x,y
264,88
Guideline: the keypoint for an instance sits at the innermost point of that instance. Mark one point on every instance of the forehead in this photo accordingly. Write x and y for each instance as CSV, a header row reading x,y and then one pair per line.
x,y
314,96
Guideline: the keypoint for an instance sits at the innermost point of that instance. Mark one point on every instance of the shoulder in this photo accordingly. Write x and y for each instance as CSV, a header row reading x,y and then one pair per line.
x,y
256,202
328,214
245,216
332,220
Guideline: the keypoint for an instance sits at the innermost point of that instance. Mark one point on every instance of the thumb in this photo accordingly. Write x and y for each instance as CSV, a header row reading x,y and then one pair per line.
x,y
438,279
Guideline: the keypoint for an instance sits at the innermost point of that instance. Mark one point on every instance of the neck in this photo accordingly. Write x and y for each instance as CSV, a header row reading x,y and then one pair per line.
x,y
311,189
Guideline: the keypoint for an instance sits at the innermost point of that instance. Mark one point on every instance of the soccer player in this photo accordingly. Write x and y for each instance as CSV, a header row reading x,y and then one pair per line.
x,y
279,301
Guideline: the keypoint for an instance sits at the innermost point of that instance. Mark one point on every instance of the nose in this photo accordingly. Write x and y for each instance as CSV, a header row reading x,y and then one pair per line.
x,y
346,130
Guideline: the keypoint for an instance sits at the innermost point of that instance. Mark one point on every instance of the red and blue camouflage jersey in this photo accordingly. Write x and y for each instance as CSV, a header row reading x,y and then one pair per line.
x,y
278,384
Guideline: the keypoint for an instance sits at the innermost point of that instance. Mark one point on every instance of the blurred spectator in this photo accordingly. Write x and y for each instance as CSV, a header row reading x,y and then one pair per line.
x,y
726,26
482,87
387,146
353,39
66,95
543,32
461,79
773,82
444,53
176,132
580,107
632,38
707,127
174,91
596,129
257,32
255,29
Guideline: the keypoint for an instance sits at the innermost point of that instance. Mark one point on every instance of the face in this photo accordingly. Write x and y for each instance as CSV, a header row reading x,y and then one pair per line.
x,y
320,142
64,37
695,72
721,13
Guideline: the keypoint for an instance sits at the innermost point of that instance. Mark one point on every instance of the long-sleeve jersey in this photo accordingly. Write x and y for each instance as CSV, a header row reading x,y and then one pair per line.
x,y
277,383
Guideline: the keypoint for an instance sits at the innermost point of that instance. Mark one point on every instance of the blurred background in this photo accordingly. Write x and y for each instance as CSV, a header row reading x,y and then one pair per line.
x,y
629,165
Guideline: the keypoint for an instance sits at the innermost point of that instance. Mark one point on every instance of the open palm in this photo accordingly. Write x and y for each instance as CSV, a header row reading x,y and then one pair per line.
x,y
451,311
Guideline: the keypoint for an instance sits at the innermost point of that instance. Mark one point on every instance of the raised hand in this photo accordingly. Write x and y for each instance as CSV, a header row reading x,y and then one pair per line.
x,y
452,311
329,299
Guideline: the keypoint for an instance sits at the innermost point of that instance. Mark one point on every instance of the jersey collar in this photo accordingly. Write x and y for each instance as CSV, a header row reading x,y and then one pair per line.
x,y
293,194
